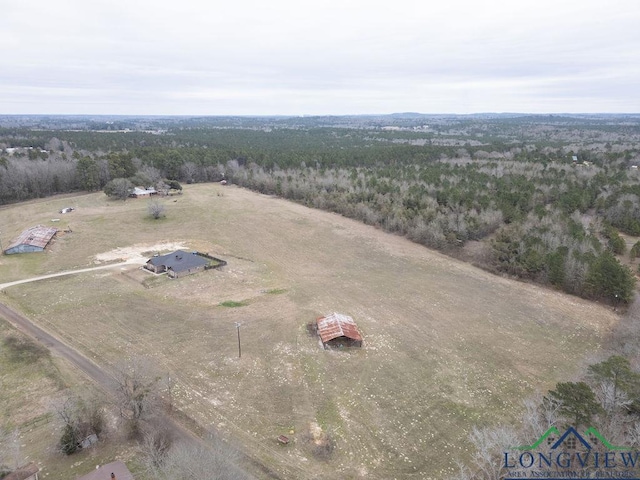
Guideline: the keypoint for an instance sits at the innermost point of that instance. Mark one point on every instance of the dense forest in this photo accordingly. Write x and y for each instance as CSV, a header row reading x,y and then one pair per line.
x,y
542,198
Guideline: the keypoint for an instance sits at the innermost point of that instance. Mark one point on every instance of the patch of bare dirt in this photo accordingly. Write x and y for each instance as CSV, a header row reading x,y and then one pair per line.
x,y
137,253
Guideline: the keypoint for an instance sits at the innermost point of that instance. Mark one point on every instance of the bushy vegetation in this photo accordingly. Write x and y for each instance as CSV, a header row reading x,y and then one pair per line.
x,y
81,417
548,195
23,349
233,304
607,397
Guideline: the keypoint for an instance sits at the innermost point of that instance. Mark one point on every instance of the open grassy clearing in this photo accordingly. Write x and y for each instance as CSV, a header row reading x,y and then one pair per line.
x,y
447,346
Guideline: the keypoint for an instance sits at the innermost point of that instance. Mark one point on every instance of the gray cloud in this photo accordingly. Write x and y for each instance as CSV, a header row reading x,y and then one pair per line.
x,y
288,57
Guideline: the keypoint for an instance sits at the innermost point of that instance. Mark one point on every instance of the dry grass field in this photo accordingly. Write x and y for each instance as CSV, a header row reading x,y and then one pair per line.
x,y
446,346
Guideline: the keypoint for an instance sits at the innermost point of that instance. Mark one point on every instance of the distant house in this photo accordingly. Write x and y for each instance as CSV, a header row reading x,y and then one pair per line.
x,y
34,239
113,470
139,192
26,472
177,264
337,329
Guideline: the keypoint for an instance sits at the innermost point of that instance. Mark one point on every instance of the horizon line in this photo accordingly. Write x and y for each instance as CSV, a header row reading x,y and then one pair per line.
x,y
309,115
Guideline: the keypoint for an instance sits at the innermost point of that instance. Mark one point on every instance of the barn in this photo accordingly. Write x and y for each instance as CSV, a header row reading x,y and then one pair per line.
x,y
34,239
338,330
177,264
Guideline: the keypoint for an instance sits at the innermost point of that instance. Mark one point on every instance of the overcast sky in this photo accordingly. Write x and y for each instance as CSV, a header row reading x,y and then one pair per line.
x,y
246,57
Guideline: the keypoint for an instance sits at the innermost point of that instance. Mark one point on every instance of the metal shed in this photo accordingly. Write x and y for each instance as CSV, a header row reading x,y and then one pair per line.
x,y
338,329
34,239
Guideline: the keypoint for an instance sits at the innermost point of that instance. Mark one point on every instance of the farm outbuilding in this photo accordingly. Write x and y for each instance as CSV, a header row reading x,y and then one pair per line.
x,y
177,264
34,239
139,192
337,329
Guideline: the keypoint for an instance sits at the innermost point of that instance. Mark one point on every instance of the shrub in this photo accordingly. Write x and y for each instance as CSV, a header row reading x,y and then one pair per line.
x,y
233,304
69,441
23,349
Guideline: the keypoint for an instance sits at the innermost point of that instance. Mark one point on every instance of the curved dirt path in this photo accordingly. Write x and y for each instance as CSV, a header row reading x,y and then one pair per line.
x,y
68,272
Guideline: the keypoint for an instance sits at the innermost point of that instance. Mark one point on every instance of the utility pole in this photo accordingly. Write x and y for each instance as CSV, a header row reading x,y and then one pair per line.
x,y
239,349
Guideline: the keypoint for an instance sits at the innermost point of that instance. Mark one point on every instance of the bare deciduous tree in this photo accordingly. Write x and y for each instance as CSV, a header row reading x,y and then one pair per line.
x,y
189,171
169,384
491,443
81,416
190,461
611,397
154,447
162,187
634,435
152,174
463,472
137,386
540,415
155,209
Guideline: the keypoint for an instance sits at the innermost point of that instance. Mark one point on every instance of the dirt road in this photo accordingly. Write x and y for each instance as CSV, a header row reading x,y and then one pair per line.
x,y
68,272
99,376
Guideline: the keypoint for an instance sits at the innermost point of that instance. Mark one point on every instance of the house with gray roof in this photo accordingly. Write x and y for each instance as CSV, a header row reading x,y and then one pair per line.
x,y
177,264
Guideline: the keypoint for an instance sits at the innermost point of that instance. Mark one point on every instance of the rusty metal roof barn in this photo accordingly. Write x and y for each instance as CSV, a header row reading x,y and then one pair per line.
x,y
337,325
33,239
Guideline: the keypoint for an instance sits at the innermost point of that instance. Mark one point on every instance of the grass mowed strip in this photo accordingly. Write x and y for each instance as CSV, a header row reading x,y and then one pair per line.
x,y
446,346
233,304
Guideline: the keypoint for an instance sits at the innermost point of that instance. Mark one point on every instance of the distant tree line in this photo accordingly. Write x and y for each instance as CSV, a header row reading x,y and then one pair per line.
x,y
541,215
